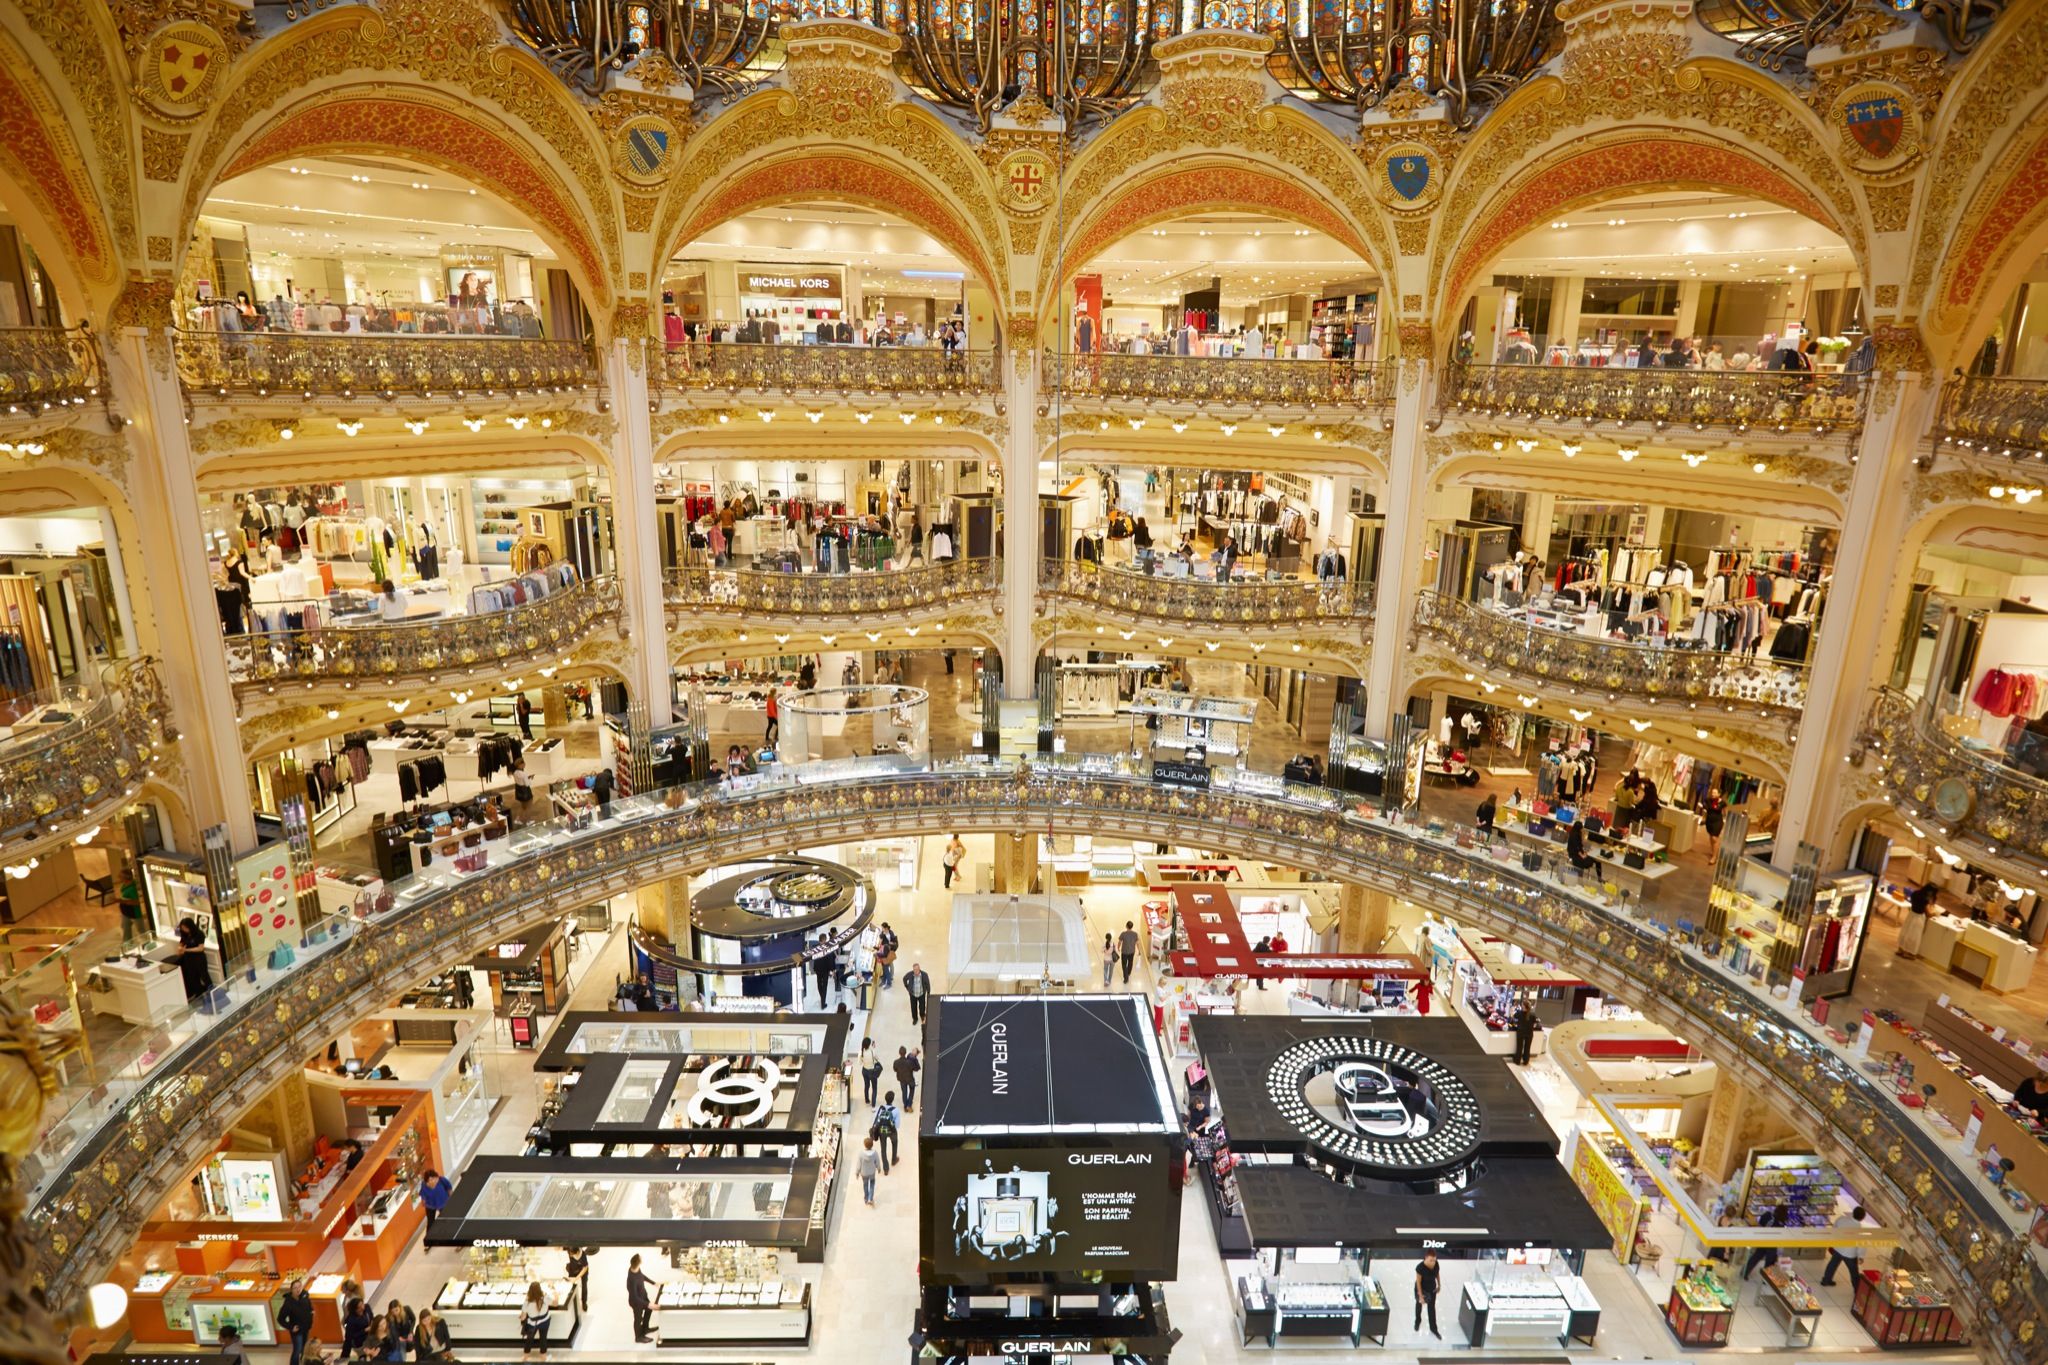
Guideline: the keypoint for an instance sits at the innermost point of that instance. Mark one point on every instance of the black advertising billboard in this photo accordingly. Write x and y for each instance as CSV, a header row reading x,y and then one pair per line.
x,y
1103,1209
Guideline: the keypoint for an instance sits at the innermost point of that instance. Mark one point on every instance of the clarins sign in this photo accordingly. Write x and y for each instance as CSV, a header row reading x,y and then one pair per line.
x,y
786,284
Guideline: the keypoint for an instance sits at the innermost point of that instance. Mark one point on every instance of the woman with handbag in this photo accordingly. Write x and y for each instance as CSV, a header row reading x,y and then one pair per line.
x,y
534,1317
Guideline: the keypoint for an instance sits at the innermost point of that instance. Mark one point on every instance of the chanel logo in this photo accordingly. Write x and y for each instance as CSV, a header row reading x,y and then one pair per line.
x,y
743,1097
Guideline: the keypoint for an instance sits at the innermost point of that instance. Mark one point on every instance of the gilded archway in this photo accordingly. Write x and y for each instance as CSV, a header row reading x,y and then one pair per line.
x,y
43,179
2003,230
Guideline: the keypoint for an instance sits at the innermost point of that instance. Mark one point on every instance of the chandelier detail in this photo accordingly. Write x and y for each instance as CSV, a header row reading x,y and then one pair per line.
x,y
1777,33
718,46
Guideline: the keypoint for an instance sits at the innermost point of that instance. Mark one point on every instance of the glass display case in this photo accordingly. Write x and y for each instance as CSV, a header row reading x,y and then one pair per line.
x,y
1527,1300
480,1312
1702,1304
1905,1308
1788,1297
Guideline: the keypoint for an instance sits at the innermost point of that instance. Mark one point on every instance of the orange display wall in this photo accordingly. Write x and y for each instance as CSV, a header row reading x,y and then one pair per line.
x,y
373,1212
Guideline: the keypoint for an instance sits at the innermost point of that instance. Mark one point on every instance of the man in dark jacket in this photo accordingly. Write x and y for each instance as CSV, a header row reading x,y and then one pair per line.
x,y
1525,1034
917,984
295,1316
906,1067
639,1297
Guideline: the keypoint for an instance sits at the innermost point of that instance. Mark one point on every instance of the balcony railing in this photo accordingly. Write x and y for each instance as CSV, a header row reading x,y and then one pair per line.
x,y
47,367
1936,777
898,371
1773,401
702,588
1203,379
403,651
1589,664
379,364
107,1174
1205,602
52,775
2006,418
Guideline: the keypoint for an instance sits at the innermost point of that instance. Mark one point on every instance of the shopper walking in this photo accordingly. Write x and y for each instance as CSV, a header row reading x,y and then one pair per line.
x,y
883,1131
1127,948
534,1318
434,1192
524,710
951,860
774,720
356,1324
1108,957
1264,945
1850,1256
821,970
917,984
638,1297
295,1316
1422,990
870,1167
870,1071
198,977
134,928
906,1067
1764,1256
1429,1280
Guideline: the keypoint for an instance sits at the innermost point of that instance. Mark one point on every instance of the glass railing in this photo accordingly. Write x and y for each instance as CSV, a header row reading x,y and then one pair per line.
x,y
898,371
1204,601
1937,770
403,650
117,1171
1509,640
1205,379
1774,401
379,364
75,749
704,588
47,367
2005,418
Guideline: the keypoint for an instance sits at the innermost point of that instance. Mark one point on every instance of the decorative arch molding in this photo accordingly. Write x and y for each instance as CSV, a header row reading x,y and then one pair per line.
x,y
1808,497
748,438
372,55
702,639
275,463
2002,231
838,89
851,175
1348,449
44,180
1599,167
1984,526
1992,109
1149,166
82,45
461,139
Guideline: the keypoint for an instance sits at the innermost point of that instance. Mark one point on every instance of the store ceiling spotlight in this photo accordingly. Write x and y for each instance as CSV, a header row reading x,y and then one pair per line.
x,y
1526,443
285,433
1211,646
1137,423
1757,468
1699,734
864,417
1527,702
475,424
1180,426
1581,716
399,706
908,630
873,635
349,428
87,837
1694,458
765,414
1230,428
723,418
1639,725
1627,453
417,426
816,415
909,417
1570,449
516,423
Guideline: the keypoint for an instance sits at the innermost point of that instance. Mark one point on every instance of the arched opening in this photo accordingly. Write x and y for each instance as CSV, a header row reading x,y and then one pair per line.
x,y
2012,342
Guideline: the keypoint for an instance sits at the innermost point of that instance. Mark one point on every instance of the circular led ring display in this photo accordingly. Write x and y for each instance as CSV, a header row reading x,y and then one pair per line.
x,y
1447,1146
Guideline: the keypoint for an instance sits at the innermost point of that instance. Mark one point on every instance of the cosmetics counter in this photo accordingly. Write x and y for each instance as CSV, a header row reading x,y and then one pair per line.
x,y
1521,1300
1269,1309
733,1294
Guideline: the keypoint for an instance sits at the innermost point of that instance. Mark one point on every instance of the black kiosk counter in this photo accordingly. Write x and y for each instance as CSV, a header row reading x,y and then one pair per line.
x,y
1048,1209
1335,1144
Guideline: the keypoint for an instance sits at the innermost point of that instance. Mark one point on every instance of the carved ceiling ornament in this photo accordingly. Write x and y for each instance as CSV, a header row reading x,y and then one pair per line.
x,y
44,164
1879,105
73,35
2010,203
454,43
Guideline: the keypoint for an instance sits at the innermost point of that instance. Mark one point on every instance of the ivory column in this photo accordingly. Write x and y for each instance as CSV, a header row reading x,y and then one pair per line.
x,y
1401,548
1021,380
636,537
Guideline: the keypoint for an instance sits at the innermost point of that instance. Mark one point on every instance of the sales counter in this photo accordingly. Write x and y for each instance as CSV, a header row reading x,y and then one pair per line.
x,y
1901,1308
753,1311
1528,1307
378,1236
1976,952
165,1307
1701,1306
1269,1309
487,1313
1967,1068
141,994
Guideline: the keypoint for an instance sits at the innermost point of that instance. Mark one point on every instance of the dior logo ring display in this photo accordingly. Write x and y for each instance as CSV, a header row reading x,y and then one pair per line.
x,y
744,1097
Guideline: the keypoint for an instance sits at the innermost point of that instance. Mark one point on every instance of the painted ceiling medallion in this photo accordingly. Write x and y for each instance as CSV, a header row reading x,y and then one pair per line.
x,y
1025,178
643,148
1409,176
1880,127
176,73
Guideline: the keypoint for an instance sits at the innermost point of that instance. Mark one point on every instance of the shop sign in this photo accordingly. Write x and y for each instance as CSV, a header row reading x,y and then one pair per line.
x,y
1168,773
1077,1346
1615,1201
801,284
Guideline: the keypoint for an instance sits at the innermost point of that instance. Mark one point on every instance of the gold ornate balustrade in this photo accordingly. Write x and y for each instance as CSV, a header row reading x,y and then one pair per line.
x,y
110,1180
379,365
1970,797
411,651
1208,380
1497,640
52,776
1782,402
2002,418
1204,602
702,589
896,371
47,367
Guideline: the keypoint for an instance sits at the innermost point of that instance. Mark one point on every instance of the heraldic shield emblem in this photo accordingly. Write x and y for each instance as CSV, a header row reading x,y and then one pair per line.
x,y
1876,122
1408,175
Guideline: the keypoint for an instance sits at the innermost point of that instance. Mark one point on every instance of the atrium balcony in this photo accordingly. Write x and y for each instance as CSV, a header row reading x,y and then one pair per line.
x,y
1787,403
369,369
1969,797
808,600
409,653
2002,421
731,369
56,779
1159,600
1569,665
45,370
1114,382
